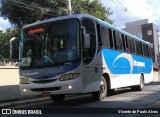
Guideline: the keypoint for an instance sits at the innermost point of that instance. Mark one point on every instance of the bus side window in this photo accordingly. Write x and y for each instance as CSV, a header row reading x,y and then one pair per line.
x,y
119,41
115,40
132,46
111,38
129,44
99,36
145,50
123,41
149,51
105,37
126,41
136,45
152,54
141,50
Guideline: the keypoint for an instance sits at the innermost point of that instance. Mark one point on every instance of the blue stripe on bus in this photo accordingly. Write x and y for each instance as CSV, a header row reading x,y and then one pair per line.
x,y
123,63
51,72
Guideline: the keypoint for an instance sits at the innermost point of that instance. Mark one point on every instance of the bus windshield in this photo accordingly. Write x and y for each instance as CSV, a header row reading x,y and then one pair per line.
x,y
50,44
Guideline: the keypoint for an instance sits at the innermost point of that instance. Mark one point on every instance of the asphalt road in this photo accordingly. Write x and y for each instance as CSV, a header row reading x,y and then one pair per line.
x,y
122,99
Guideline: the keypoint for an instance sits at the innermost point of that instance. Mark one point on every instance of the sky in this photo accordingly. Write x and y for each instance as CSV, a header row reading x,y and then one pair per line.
x,y
4,24
136,10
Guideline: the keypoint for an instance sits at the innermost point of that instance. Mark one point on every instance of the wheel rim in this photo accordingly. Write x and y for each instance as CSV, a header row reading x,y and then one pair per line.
x,y
102,88
142,83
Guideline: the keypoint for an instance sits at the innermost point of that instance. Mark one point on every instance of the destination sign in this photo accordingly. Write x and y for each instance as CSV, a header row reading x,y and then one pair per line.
x,y
37,30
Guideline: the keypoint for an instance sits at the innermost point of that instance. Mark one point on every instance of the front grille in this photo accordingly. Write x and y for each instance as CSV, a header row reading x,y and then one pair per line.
x,y
44,81
46,89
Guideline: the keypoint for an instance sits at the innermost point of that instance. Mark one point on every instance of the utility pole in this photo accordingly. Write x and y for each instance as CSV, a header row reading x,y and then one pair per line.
x,y
69,7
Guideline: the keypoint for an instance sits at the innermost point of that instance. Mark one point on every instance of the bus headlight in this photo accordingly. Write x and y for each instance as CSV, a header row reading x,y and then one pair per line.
x,y
24,81
69,76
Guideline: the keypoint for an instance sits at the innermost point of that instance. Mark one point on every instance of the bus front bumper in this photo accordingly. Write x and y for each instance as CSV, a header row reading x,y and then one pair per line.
x,y
73,86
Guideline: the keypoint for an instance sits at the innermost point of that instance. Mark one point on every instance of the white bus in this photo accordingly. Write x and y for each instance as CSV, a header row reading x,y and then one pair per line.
x,y
79,54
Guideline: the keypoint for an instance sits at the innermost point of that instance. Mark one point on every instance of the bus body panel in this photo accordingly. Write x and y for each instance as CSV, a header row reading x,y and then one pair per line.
x,y
125,69
61,87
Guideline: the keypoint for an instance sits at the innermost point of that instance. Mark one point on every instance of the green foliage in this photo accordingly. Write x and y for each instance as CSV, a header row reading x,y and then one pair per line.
x,y
4,41
92,7
22,12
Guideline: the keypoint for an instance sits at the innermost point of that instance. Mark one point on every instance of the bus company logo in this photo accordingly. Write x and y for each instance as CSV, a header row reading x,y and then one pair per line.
x,y
139,64
6,111
30,74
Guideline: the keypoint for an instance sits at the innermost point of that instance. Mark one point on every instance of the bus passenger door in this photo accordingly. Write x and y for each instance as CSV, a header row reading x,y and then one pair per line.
x,y
88,54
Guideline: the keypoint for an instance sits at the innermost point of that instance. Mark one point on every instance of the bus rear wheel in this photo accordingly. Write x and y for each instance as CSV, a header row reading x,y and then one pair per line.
x,y
57,98
140,86
100,95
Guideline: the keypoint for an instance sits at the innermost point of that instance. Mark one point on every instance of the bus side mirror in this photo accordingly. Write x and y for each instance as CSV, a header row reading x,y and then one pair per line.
x,y
14,48
86,38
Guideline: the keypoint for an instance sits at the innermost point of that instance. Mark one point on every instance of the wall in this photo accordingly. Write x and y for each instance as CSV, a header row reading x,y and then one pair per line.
x,y
9,83
156,75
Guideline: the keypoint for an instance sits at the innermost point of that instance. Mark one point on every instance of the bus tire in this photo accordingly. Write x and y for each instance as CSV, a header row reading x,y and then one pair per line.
x,y
57,98
101,95
140,86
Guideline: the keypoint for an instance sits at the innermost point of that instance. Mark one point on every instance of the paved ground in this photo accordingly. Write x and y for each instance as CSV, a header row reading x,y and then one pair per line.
x,y
123,99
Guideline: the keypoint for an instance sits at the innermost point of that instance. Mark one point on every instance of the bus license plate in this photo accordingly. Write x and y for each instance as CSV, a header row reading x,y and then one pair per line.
x,y
46,93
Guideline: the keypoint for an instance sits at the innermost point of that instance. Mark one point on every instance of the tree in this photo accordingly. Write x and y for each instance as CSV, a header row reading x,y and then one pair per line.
x,y
92,7
5,37
1,44
22,12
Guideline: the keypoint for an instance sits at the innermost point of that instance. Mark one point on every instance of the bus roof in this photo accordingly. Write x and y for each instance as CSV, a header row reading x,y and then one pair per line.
x,y
80,16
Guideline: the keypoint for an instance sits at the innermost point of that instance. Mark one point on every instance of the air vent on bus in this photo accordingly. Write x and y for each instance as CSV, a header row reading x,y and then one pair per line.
x,y
46,89
44,81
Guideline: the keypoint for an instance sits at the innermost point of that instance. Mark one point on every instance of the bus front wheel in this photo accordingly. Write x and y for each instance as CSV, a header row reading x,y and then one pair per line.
x,y
57,98
100,95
